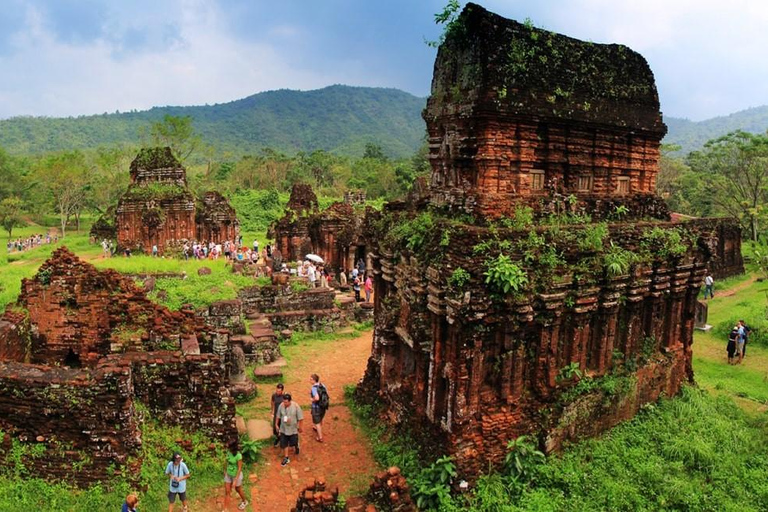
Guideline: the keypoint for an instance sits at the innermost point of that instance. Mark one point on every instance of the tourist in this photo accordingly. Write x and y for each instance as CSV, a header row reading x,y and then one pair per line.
x,y
319,405
154,251
179,473
356,287
256,246
104,248
343,278
127,252
360,267
368,288
740,340
185,251
233,476
130,503
731,347
311,275
269,250
746,330
274,402
709,283
290,416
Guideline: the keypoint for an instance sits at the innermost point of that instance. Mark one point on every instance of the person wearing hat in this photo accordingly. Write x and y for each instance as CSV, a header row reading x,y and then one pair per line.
x,y
179,473
288,421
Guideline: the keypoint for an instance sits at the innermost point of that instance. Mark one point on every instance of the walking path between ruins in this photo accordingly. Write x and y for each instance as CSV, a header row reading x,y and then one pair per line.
x,y
344,459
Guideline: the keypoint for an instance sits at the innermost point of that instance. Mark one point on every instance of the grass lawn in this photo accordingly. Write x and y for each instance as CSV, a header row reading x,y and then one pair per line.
x,y
747,383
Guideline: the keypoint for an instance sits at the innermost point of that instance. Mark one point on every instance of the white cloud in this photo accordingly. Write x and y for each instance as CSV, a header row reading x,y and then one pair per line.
x,y
208,65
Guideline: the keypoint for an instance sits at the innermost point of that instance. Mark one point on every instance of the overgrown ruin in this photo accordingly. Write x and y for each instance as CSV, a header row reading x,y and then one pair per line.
x,y
335,233
160,210
542,288
80,349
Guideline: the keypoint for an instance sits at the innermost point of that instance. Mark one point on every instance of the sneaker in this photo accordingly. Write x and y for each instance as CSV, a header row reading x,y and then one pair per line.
x,y
297,449
285,462
242,505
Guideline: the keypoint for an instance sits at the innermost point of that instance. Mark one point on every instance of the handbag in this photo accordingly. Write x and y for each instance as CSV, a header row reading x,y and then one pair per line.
x,y
175,483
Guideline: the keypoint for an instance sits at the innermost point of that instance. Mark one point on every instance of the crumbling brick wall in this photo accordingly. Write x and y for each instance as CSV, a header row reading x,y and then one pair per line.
x,y
335,234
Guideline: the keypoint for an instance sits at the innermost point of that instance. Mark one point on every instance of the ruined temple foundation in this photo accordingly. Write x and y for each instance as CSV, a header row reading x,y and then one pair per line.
x,y
552,293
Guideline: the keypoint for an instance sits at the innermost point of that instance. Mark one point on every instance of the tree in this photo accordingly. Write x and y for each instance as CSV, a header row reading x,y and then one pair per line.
x,y
177,133
10,214
68,178
735,172
111,180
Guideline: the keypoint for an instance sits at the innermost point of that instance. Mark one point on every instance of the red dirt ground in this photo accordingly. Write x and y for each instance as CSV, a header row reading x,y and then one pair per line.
x,y
344,459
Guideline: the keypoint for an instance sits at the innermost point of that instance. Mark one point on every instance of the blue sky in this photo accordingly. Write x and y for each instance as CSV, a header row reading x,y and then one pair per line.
x,y
72,57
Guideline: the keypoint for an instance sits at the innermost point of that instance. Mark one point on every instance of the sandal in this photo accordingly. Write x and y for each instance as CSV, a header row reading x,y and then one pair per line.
x,y
319,440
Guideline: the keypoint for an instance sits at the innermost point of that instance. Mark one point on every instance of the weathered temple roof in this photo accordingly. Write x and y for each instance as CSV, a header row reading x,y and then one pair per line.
x,y
490,62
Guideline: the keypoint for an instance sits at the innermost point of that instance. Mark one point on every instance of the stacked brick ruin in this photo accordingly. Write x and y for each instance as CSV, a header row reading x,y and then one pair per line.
x,y
489,326
79,349
335,234
159,209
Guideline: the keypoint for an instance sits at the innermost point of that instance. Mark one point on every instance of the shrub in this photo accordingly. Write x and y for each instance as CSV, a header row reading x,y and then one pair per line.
x,y
504,276
459,278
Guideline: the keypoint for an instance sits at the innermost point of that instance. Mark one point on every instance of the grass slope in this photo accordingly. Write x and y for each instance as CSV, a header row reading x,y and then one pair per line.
x,y
338,118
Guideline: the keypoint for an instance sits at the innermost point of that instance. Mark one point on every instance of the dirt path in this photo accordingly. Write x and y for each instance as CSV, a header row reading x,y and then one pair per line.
x,y
741,286
345,458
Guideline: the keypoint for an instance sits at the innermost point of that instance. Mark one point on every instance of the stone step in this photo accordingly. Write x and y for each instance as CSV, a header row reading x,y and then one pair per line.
x,y
240,423
268,372
258,430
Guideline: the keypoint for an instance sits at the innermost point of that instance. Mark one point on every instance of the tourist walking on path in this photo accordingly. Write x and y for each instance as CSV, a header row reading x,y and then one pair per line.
x,y
320,402
130,503
709,284
275,402
290,416
179,473
368,288
233,476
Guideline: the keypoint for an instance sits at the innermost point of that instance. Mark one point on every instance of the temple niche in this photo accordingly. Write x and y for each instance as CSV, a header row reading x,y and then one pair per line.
x,y
160,209
543,288
335,233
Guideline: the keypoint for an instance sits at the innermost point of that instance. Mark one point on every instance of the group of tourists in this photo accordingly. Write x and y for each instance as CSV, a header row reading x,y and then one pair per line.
x,y
737,342
30,242
287,417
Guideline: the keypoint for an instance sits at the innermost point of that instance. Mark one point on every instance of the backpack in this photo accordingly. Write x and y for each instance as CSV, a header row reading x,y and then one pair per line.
x,y
324,400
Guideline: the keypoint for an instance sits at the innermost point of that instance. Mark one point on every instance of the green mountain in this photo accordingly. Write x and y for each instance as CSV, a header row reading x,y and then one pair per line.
x,y
690,135
339,118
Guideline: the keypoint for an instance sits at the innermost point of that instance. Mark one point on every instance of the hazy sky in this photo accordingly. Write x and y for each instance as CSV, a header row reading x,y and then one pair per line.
x,y
71,57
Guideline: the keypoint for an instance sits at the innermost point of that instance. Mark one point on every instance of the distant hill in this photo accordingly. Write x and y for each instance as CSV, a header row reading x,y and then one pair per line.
x,y
692,135
340,119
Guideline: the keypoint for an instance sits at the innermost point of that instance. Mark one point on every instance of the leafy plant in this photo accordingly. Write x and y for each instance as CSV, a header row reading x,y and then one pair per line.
x,y
431,487
251,450
619,212
617,260
459,278
523,456
594,237
570,371
504,276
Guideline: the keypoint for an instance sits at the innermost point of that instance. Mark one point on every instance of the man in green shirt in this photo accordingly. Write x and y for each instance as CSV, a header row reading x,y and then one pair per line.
x,y
290,417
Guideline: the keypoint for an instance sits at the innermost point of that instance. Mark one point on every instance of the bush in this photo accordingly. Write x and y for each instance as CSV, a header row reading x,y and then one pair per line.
x,y
504,276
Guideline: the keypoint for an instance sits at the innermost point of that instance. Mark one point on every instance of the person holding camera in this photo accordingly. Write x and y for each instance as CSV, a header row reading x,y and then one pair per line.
x,y
179,473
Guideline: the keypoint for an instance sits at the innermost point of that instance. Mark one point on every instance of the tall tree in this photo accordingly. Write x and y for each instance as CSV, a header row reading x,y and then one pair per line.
x,y
112,176
10,214
175,132
68,179
735,172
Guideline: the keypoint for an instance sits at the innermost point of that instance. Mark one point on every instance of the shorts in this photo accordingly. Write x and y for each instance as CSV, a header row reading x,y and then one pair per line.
x,y
286,440
238,482
172,496
731,348
317,415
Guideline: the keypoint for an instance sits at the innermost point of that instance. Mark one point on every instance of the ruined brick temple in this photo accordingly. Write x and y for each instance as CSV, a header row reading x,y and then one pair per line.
x,y
80,349
543,288
335,234
160,209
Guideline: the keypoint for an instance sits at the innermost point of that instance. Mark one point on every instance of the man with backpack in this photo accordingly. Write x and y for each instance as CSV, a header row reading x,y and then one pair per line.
x,y
320,404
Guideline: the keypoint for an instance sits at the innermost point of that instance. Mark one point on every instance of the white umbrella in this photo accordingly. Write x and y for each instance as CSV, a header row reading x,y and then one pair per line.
x,y
314,257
